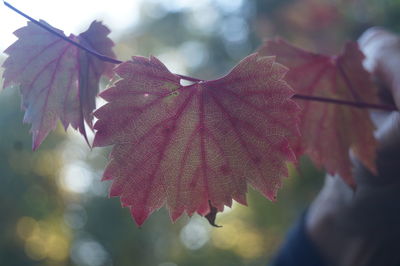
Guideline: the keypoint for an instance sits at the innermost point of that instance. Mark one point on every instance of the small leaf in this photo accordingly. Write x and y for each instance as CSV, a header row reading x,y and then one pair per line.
x,y
192,146
57,80
330,130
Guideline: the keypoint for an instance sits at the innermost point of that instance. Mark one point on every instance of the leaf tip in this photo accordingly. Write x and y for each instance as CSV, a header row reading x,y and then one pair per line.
x,y
139,215
96,141
272,195
176,216
37,139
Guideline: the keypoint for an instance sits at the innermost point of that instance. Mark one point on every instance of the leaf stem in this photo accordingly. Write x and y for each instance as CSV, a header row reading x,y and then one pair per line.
x,y
384,107
190,78
116,61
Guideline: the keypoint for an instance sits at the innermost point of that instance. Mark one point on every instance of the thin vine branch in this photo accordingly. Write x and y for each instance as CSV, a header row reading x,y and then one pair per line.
x,y
116,61
189,78
384,107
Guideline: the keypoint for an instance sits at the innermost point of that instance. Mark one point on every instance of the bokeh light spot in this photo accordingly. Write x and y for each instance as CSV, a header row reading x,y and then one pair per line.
x,y
58,248
35,248
194,235
26,226
89,252
76,177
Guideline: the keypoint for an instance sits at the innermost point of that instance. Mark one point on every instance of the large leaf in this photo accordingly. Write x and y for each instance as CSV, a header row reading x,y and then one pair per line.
x,y
196,146
330,130
57,80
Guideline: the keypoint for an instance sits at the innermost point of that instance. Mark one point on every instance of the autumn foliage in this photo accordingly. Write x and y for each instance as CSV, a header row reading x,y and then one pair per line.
x,y
57,80
196,147
330,130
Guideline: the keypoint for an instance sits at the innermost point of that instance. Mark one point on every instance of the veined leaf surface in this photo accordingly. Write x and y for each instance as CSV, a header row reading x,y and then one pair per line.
x,y
57,80
192,147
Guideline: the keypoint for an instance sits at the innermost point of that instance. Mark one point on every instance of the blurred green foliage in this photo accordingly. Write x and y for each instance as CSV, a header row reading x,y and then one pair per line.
x,y
54,209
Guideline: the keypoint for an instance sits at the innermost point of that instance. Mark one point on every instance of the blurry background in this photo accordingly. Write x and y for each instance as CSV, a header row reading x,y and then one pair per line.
x,y
53,208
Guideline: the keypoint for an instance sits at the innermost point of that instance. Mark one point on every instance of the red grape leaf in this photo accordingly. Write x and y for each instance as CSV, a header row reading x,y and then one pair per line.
x,y
57,80
193,146
330,130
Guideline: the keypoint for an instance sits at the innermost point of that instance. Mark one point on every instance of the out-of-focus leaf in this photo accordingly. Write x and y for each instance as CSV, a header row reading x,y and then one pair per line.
x,y
329,131
57,80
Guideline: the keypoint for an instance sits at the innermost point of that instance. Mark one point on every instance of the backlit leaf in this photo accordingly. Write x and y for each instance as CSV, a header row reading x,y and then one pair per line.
x,y
330,130
192,147
57,80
